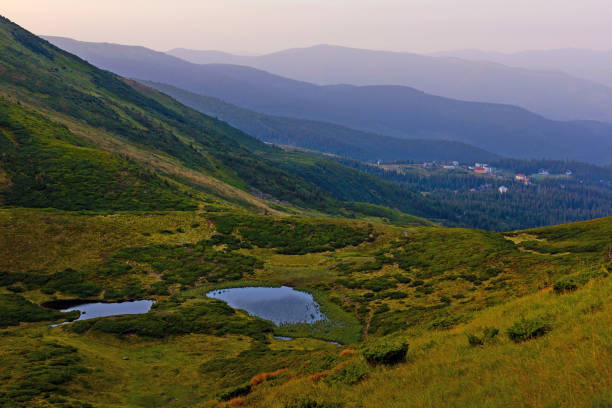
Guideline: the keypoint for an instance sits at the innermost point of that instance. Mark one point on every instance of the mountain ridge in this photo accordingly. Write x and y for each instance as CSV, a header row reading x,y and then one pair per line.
x,y
326,137
544,90
388,110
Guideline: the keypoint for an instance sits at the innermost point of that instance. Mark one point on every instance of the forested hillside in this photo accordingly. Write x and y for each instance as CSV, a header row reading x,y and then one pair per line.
x,y
547,200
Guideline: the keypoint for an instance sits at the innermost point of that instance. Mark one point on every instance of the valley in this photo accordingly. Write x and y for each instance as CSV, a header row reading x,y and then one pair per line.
x,y
154,255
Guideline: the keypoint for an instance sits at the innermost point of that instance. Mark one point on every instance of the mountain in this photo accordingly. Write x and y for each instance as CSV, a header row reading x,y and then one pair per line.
x,y
325,137
593,65
114,193
389,110
75,137
543,89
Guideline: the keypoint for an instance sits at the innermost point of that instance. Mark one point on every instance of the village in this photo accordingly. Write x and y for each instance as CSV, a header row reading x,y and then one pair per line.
x,y
512,178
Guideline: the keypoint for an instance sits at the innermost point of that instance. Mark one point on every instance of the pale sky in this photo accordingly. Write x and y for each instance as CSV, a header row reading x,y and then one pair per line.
x,y
260,26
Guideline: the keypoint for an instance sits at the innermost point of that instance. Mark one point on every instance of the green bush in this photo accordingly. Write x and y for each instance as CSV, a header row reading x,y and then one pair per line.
x,y
571,283
205,317
234,392
385,350
474,340
349,374
187,264
488,334
291,236
565,284
47,369
308,402
15,309
527,329
378,284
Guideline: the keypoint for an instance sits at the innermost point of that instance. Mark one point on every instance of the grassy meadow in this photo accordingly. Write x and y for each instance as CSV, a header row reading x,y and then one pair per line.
x,y
489,319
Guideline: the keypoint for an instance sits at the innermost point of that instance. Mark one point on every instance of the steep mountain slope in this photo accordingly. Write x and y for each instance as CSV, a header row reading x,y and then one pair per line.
x,y
107,112
593,65
541,88
325,137
388,110
46,165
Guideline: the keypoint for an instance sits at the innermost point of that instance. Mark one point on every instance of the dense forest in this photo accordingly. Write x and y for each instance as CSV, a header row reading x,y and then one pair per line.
x,y
547,200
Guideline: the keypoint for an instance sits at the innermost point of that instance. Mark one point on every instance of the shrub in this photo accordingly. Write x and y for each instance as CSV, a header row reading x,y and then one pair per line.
x,y
378,284
308,402
291,236
474,340
444,322
527,329
234,392
15,289
206,317
15,309
349,373
564,285
571,283
488,334
46,369
385,350
392,295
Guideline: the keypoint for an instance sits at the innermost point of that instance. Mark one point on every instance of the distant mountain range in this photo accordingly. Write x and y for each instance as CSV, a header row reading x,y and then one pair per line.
x,y
74,137
542,88
326,137
588,64
389,110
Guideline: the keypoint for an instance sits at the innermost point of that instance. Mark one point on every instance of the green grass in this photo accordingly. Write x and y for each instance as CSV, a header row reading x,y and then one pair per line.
x,y
149,199
430,287
568,367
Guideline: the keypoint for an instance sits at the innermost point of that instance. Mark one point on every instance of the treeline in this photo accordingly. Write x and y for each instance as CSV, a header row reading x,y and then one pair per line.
x,y
586,194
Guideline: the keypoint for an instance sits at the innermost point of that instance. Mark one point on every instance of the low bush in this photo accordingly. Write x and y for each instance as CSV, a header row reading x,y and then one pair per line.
x,y
309,402
206,317
571,283
378,284
15,309
237,391
527,329
349,374
291,236
385,350
187,264
488,334
47,369
565,284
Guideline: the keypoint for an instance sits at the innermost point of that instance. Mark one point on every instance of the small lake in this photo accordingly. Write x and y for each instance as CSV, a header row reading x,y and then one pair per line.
x,y
282,305
99,309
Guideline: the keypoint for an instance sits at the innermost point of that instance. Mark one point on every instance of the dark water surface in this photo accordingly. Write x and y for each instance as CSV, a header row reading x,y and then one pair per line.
x,y
282,305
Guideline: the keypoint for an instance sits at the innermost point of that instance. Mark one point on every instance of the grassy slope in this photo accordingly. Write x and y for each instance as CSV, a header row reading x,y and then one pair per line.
x,y
48,166
440,361
164,136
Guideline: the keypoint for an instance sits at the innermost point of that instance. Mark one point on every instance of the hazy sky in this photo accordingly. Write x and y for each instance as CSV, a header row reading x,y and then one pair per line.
x,y
258,26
